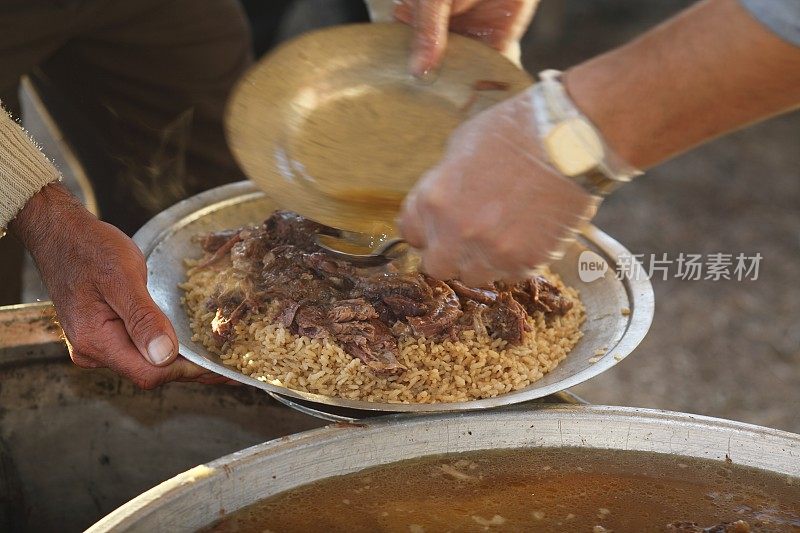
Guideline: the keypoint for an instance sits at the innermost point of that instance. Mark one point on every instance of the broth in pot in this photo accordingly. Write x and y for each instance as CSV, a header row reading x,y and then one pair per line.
x,y
543,489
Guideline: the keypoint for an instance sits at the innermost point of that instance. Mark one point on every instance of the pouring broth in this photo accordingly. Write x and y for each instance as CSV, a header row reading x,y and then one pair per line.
x,y
535,490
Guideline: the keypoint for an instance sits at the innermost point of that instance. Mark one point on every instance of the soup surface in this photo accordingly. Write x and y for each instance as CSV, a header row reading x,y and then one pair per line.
x,y
535,490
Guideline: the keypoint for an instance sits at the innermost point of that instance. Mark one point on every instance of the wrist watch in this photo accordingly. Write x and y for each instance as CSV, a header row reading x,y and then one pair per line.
x,y
573,145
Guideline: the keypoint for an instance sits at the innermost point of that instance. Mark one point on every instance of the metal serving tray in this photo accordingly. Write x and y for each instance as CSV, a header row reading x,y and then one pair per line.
x,y
167,239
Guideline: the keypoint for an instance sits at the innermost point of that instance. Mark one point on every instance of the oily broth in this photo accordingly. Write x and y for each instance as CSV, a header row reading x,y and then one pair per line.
x,y
524,490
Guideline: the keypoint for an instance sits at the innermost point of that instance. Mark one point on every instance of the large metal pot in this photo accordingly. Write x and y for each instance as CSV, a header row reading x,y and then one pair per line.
x,y
200,496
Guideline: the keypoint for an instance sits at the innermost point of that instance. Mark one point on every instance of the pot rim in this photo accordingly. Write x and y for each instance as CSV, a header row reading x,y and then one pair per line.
x,y
411,436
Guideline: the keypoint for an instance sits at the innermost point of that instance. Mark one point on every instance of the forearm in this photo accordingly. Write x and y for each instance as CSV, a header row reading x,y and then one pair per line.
x,y
710,70
51,207
24,169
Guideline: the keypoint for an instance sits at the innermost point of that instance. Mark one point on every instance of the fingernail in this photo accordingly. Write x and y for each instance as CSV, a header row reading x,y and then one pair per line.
x,y
419,65
423,72
159,349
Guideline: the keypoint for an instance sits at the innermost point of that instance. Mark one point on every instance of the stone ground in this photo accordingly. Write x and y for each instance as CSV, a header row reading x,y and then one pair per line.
x,y
727,348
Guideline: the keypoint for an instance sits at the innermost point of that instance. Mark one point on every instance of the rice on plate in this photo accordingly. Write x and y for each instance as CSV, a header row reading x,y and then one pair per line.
x,y
467,364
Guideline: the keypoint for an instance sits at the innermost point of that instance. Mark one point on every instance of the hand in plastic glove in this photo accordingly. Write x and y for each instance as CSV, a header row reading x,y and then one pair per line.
x,y
97,279
498,23
493,208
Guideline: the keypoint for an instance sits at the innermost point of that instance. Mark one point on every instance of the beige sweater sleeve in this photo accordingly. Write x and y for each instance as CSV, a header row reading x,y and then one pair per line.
x,y
24,169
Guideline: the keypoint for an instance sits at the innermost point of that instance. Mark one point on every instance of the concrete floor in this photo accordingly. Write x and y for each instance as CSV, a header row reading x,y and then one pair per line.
x,y
729,349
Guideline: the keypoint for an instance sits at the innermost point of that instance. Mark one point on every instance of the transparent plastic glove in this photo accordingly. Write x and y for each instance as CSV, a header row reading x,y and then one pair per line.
x,y
498,23
493,208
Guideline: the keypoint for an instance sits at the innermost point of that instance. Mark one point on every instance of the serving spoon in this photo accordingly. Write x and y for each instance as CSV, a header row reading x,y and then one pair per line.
x,y
359,249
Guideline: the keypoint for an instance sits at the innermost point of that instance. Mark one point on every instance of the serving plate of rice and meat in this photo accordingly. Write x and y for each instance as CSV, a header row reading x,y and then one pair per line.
x,y
252,297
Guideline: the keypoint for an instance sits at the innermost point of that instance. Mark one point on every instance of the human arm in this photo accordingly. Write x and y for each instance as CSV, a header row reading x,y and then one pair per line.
x,y
708,71
94,273
494,207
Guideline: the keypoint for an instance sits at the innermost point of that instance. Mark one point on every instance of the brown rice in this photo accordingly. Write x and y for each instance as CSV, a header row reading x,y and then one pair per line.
x,y
472,368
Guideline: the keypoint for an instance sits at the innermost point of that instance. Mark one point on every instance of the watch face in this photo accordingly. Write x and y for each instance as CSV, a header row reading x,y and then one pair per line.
x,y
574,147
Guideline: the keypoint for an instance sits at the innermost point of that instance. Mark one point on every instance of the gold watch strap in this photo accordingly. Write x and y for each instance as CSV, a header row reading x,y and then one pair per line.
x,y
554,108
597,183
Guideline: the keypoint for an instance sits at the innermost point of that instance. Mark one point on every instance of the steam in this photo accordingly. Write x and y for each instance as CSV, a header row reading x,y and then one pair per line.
x,y
162,179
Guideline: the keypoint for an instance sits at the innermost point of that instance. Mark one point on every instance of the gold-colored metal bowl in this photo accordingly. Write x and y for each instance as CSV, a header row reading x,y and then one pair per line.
x,y
331,125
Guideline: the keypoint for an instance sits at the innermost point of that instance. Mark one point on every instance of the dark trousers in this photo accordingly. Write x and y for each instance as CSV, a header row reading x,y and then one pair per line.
x,y
138,87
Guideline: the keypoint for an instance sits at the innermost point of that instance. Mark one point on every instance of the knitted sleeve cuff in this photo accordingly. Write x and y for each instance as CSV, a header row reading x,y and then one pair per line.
x,y
24,169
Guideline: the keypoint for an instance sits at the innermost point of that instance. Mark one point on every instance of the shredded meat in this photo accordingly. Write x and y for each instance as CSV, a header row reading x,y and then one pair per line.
x,y
355,325
310,321
506,319
211,242
217,247
484,296
444,311
473,317
230,308
538,294
373,343
287,314
365,311
285,227
350,310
